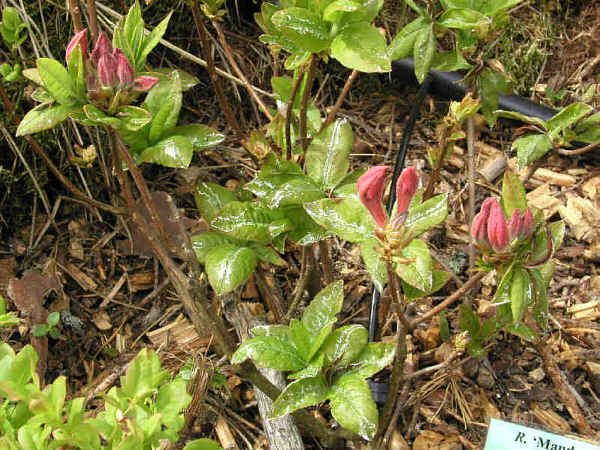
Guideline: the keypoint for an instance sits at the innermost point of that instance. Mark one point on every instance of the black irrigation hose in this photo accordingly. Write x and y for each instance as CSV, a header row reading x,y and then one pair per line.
x,y
380,390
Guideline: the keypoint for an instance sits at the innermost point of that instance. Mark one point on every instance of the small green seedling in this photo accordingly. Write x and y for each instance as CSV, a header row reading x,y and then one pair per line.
x,y
50,328
12,28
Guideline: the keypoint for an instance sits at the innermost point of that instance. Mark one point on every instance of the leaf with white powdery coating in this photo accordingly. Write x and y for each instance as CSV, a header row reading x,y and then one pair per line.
x,y
353,407
269,352
300,394
324,307
228,266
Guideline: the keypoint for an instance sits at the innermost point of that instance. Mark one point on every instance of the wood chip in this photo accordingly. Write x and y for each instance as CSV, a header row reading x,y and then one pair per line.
x,y
589,310
141,281
544,198
583,217
551,177
7,271
180,332
102,320
537,375
82,279
550,419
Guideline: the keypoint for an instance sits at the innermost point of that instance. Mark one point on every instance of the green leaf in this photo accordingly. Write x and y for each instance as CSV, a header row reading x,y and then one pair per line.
x,y
468,321
531,148
303,27
521,293
327,156
247,220
420,11
269,352
335,10
523,331
132,118
494,7
210,198
566,117
312,370
57,81
521,117
76,70
366,13
420,272
353,407
143,376
427,215
404,42
202,444
323,308
305,230
344,345
150,42
301,339
491,85
502,296
373,358
53,318
440,278
424,51
201,136
228,266
174,151
279,331
205,242
375,264
129,35
347,218
463,19
540,243
449,62
43,118
362,47
300,394
513,194
164,102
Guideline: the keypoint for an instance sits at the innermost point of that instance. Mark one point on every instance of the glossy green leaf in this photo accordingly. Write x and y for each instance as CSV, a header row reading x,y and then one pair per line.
x,y
440,278
297,59
133,118
463,18
129,34
300,394
11,26
366,13
502,296
202,444
201,136
76,70
404,42
521,293
424,51
312,370
353,407
210,198
513,194
449,62
228,266
427,215
521,117
376,266
174,151
300,337
566,117
269,352
327,156
143,375
304,230
164,102
491,85
323,308
420,272
57,81
523,331
303,27
279,331
468,321
531,148
374,357
336,9
347,218
540,307
204,242
43,118
151,41
494,7
344,345
540,243
247,220
267,255
362,47
348,186
416,8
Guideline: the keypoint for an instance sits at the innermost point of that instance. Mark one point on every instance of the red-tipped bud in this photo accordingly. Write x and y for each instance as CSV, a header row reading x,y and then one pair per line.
x,y
405,189
103,47
514,225
144,83
497,227
81,40
107,70
480,223
527,224
371,186
125,72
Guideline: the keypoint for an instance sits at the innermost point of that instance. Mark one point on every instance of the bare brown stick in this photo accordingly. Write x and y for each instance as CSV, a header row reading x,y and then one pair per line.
x,y
326,263
305,270
267,289
579,151
433,178
304,105
338,104
75,15
564,393
448,301
471,178
289,113
238,72
92,19
210,67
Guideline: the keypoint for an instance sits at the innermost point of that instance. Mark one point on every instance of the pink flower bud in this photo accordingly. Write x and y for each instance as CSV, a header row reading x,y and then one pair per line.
x,y
144,83
81,40
405,189
479,227
107,70
497,227
371,186
102,47
514,225
125,72
527,224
